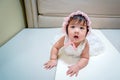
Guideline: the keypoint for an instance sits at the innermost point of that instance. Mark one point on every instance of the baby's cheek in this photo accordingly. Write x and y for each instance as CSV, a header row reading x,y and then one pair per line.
x,y
83,36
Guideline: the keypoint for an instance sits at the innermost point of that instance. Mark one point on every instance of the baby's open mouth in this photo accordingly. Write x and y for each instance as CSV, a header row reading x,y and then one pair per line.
x,y
76,37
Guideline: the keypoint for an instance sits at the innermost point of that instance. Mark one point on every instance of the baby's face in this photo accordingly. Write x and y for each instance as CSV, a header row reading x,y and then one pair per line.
x,y
77,32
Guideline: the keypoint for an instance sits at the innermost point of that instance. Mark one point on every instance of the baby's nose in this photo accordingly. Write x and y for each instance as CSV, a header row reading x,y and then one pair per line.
x,y
76,29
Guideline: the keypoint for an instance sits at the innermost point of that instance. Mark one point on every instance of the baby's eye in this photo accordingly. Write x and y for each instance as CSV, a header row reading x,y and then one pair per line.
x,y
82,28
72,26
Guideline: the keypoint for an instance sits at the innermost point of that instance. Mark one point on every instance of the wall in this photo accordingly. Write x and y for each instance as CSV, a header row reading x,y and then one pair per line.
x,y
12,19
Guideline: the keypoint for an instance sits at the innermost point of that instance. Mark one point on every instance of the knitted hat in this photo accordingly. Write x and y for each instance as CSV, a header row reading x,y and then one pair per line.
x,y
66,20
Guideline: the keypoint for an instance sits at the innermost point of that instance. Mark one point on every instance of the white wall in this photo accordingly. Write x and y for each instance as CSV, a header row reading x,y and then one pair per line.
x,y
11,19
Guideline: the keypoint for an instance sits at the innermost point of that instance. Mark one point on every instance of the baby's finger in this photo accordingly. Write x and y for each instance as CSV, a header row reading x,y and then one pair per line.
x,y
72,74
47,66
46,63
76,74
69,72
51,67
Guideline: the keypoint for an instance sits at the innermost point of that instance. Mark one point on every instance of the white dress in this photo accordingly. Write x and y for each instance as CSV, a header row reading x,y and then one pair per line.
x,y
69,56
95,43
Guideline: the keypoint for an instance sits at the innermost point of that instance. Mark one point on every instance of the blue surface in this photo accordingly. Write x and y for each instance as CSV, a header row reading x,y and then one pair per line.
x,y
22,58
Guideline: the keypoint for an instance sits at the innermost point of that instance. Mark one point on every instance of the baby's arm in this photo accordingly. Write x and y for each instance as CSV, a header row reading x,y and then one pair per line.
x,y
54,54
84,58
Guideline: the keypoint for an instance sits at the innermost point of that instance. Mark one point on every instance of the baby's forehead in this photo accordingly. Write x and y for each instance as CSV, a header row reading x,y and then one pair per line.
x,y
77,23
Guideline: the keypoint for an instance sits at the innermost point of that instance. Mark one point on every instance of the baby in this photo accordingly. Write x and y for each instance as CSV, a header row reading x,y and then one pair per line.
x,y
74,43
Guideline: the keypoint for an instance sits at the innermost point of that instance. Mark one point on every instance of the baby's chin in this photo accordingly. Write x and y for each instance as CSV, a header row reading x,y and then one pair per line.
x,y
77,40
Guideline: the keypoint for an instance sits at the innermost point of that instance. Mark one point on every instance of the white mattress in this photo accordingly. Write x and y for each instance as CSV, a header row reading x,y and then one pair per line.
x,y
113,36
22,58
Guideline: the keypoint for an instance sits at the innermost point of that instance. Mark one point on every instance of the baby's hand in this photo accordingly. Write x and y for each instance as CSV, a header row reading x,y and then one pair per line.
x,y
50,64
73,70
